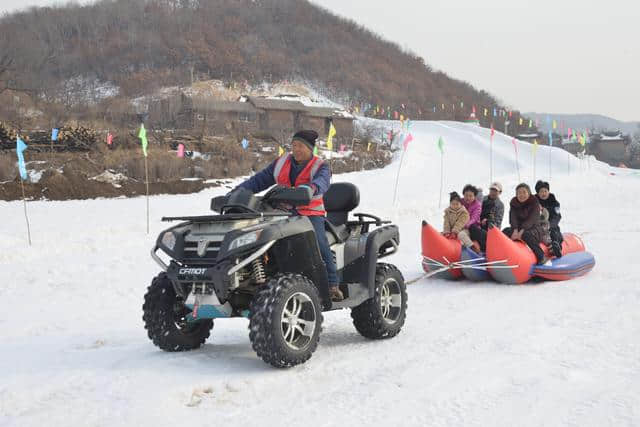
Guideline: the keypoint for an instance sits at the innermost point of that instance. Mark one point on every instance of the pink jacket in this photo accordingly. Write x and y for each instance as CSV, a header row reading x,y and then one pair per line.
x,y
474,208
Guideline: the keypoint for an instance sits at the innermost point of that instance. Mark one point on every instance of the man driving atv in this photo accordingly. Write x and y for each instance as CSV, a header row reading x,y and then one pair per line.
x,y
302,168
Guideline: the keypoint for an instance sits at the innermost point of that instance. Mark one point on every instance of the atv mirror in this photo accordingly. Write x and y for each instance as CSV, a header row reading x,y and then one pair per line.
x,y
218,202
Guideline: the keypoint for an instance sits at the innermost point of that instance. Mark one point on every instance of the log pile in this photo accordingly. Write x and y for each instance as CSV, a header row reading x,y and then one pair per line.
x,y
69,139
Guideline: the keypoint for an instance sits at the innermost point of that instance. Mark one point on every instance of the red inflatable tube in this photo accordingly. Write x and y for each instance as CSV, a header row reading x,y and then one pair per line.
x,y
440,249
512,261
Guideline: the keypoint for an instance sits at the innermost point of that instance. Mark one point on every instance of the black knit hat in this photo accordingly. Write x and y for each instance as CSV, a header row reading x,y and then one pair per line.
x,y
523,185
307,137
454,196
541,184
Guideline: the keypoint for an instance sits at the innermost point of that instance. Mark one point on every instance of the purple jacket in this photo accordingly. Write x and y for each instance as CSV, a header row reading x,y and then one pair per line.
x,y
474,208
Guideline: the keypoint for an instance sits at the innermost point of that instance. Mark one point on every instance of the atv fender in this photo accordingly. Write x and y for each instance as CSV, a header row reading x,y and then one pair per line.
x,y
376,245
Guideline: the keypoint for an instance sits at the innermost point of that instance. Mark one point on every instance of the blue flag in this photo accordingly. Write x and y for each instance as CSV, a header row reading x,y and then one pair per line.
x,y
54,134
245,143
550,139
20,147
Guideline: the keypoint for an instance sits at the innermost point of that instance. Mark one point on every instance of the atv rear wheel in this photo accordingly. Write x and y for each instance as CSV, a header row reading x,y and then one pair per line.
x,y
285,320
165,319
383,315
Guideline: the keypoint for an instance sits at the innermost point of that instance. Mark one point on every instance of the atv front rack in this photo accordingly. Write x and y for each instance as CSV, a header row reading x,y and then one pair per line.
x,y
225,217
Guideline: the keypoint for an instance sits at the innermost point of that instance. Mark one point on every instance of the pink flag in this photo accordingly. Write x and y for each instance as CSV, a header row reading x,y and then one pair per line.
x,y
180,150
407,140
493,132
569,133
513,141
342,147
109,139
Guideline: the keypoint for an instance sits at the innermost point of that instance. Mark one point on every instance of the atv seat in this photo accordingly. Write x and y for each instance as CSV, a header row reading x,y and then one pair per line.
x,y
339,200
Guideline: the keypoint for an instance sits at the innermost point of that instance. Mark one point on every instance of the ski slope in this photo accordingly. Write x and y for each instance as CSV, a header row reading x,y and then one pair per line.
x,y
74,351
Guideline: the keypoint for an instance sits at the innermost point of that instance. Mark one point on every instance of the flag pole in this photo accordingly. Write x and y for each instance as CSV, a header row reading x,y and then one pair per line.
x,y
26,217
395,190
146,174
441,177
491,155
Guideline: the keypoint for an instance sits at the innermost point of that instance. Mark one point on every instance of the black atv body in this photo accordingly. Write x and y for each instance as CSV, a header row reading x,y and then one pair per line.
x,y
257,257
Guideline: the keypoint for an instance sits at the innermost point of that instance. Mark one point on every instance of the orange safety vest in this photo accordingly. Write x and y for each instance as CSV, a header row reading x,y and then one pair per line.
x,y
281,175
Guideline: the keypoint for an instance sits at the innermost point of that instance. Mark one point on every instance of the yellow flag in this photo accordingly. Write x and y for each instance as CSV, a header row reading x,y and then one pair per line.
x,y
369,147
486,111
520,121
402,117
535,146
280,151
332,132
555,124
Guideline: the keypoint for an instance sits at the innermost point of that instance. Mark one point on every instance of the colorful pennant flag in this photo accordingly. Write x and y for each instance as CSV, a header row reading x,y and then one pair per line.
x,y
245,143
332,132
22,167
181,150
54,134
109,138
143,139
407,140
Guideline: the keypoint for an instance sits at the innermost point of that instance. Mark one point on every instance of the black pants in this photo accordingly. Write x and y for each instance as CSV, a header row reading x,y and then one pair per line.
x,y
479,235
556,234
531,241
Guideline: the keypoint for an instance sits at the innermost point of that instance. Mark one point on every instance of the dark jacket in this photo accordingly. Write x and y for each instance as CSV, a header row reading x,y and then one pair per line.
x,y
264,179
553,206
492,211
526,216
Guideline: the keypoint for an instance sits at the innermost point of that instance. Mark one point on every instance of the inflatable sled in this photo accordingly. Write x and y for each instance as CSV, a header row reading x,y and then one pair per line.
x,y
506,261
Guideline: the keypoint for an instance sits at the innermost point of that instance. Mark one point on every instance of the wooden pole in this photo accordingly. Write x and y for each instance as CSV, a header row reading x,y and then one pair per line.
x,y
26,217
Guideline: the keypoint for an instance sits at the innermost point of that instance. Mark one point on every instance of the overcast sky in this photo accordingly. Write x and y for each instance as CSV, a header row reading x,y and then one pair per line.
x,y
558,56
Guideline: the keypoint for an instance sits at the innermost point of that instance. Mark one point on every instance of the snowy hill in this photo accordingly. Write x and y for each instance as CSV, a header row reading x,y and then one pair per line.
x,y
74,351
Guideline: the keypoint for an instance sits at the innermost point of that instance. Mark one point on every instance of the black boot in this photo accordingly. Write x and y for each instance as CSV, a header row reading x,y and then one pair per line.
x,y
556,248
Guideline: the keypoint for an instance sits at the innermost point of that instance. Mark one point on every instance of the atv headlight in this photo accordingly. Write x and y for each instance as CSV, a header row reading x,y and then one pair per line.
x,y
245,239
169,240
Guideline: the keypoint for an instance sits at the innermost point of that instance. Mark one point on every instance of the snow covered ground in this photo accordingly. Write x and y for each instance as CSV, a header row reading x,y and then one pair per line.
x,y
74,351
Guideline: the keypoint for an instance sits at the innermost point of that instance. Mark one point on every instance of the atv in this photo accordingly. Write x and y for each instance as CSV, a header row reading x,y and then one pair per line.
x,y
256,259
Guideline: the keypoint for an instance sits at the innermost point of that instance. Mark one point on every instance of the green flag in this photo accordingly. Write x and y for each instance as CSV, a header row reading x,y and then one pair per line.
x,y
143,138
315,151
441,144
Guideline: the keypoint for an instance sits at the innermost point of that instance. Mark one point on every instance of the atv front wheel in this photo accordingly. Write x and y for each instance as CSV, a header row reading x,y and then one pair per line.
x,y
285,320
165,319
383,315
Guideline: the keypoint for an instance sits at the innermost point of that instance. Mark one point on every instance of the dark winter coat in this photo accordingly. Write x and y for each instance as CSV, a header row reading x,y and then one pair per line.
x,y
492,211
553,206
526,216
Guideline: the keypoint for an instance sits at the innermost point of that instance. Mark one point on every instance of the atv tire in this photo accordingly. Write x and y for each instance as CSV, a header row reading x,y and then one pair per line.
x,y
285,320
164,319
383,315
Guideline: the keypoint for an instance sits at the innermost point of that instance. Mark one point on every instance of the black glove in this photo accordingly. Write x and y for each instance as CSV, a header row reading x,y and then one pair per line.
x,y
274,191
